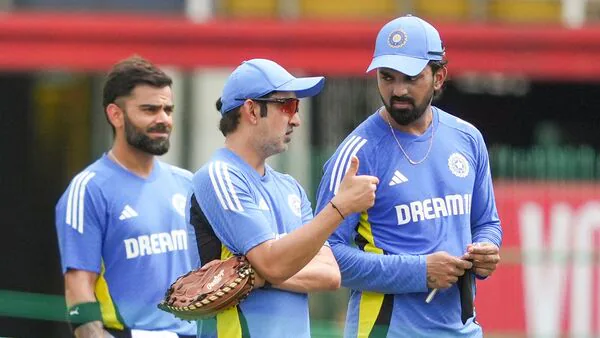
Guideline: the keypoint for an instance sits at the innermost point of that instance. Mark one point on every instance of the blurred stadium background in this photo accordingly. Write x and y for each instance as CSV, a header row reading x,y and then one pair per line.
x,y
526,72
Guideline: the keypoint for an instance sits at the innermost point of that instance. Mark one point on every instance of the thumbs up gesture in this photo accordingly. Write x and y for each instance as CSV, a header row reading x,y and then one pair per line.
x,y
356,192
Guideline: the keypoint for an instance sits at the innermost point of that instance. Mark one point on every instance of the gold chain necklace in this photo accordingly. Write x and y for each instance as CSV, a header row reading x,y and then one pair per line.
x,y
411,161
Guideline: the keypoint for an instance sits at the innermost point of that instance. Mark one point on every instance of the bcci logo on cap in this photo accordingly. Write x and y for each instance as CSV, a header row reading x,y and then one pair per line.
x,y
397,38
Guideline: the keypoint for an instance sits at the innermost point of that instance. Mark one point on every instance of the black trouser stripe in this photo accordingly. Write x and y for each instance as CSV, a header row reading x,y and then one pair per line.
x,y
209,245
384,318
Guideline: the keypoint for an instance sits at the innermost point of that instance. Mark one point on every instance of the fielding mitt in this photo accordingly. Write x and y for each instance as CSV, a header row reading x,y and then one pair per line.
x,y
204,292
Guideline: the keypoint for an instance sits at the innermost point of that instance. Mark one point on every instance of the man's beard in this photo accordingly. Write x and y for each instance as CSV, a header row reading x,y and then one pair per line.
x,y
406,116
138,139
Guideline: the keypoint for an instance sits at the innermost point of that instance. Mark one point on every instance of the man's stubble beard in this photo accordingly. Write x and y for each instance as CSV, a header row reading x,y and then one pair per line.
x,y
139,140
405,117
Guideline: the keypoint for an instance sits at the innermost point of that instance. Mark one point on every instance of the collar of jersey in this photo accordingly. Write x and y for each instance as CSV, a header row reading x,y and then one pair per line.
x,y
153,175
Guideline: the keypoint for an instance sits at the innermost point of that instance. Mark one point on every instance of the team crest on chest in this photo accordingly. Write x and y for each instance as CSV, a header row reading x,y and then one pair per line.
x,y
295,204
178,201
458,165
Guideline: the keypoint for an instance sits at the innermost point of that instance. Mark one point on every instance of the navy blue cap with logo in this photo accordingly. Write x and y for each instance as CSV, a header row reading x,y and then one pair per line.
x,y
258,77
407,44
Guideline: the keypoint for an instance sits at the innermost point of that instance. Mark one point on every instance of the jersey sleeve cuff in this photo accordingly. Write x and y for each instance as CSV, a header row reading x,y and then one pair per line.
x,y
486,239
421,272
250,244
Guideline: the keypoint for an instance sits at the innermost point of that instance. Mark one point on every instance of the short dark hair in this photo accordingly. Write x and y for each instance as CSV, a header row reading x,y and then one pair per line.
x,y
231,119
129,73
435,67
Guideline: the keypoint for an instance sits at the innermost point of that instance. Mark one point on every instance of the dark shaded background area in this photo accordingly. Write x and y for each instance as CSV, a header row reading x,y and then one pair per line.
x,y
506,115
29,251
512,120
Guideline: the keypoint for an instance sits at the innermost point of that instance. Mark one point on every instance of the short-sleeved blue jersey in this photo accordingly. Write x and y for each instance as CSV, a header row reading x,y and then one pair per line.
x,y
441,204
132,232
240,209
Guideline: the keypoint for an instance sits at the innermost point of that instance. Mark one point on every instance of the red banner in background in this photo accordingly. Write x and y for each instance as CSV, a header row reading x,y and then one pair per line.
x,y
95,41
548,281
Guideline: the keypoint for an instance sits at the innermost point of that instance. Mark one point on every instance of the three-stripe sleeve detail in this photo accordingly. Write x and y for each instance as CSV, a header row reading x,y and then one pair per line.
x,y
223,186
76,201
342,162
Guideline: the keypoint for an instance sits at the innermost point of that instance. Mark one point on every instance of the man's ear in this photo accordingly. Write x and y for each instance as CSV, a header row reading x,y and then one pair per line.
x,y
115,115
439,78
250,111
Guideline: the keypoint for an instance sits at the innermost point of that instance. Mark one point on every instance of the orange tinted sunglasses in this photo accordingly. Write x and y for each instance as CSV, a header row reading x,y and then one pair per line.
x,y
289,105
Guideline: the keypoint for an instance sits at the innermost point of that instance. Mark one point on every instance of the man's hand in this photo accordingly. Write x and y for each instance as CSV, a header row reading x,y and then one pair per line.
x,y
444,269
485,257
356,192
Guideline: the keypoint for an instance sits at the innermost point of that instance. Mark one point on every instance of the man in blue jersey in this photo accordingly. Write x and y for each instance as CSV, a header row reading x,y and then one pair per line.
x,y
121,222
241,206
434,217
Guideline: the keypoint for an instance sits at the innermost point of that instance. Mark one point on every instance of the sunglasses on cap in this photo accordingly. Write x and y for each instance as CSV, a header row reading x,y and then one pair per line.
x,y
289,105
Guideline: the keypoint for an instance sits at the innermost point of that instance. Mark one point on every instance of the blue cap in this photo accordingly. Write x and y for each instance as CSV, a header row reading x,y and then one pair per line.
x,y
258,77
407,44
